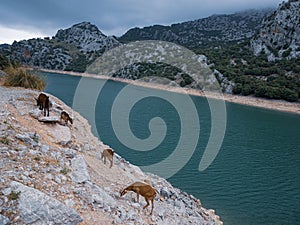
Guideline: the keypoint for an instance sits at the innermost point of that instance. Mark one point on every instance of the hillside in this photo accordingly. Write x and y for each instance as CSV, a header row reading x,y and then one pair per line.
x,y
70,49
52,174
279,35
202,33
255,52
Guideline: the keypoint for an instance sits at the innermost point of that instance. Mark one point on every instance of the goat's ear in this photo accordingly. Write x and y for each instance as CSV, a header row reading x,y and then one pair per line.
x,y
35,98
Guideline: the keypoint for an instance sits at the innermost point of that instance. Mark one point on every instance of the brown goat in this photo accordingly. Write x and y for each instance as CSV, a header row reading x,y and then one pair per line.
x,y
108,153
43,102
143,189
64,116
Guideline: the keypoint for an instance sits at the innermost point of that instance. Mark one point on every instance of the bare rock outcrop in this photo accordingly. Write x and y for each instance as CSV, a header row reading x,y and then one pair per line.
x,y
35,207
44,180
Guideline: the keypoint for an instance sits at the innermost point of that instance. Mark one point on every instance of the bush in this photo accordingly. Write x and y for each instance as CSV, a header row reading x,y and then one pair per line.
x,y
18,77
289,95
237,89
4,62
246,90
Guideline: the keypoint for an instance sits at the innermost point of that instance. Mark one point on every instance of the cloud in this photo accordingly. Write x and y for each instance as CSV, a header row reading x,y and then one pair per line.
x,y
8,35
113,16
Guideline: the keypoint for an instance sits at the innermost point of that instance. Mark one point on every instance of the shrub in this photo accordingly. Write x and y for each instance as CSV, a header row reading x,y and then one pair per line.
x,y
18,77
246,90
14,195
237,89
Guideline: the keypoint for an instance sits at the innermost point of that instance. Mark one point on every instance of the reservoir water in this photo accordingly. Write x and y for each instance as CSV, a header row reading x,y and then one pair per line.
x,y
255,178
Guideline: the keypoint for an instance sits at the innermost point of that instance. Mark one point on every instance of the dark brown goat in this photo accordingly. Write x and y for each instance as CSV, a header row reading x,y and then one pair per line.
x,y
43,102
143,189
65,117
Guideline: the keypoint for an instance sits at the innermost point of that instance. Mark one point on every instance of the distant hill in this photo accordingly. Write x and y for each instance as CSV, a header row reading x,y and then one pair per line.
x,y
211,31
70,49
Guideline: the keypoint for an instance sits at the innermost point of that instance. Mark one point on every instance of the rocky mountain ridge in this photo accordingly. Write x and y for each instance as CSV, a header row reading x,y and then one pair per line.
x,y
53,174
78,44
86,37
279,36
211,31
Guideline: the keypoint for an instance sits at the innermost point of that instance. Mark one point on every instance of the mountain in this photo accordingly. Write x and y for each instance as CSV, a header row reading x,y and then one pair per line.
x,y
279,35
244,50
69,49
210,31
86,37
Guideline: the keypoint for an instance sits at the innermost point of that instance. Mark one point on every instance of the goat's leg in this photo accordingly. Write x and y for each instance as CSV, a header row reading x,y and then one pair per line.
x,y
152,201
146,204
137,197
111,163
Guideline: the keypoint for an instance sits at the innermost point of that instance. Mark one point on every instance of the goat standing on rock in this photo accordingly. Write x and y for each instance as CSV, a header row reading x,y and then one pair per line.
x,y
143,189
108,153
43,102
64,116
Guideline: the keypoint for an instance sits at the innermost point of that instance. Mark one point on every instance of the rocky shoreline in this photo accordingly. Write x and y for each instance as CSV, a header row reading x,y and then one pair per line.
x,y
279,105
53,174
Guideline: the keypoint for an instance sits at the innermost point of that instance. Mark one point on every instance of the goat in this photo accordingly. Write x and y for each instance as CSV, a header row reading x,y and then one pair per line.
x,y
143,189
108,153
43,102
65,117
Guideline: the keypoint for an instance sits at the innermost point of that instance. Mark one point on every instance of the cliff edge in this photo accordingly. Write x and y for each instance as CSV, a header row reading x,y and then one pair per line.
x,y
53,174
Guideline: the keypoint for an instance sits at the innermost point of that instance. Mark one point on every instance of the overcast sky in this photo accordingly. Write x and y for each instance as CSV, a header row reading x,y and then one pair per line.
x,y
24,19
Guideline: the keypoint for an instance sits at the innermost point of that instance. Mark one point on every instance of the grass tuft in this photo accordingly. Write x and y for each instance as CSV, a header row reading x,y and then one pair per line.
x,y
18,77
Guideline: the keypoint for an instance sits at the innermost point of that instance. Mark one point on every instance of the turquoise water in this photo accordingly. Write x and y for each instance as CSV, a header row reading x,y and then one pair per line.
x,y
255,178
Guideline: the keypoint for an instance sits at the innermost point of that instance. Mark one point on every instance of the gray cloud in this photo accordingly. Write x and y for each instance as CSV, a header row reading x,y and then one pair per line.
x,y
114,16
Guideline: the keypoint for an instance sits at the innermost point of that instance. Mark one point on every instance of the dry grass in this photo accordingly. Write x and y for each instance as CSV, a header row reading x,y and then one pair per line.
x,y
18,77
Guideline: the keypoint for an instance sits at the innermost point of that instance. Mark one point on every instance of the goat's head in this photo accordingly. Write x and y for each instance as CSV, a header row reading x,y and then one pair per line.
x,y
123,192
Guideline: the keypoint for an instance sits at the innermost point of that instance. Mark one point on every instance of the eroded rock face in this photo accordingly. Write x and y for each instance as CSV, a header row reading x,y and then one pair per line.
x,y
57,133
279,36
38,208
80,172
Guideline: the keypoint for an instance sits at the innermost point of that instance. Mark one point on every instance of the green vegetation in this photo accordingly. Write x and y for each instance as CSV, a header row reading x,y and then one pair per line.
x,y
37,158
64,171
78,64
15,76
158,69
35,137
4,140
254,75
18,77
14,195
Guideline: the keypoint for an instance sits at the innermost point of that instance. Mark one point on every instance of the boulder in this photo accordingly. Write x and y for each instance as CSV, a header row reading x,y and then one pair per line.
x,y
80,172
36,207
4,220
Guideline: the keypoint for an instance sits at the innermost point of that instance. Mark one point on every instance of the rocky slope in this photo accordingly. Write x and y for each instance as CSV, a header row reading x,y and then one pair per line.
x,y
52,174
279,36
86,37
81,42
210,31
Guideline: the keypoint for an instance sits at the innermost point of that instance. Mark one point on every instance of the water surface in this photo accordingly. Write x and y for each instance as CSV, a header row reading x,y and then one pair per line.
x,y
255,178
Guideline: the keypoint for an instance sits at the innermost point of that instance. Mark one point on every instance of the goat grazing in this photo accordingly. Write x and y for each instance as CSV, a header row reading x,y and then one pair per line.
x,y
43,102
143,189
64,116
108,153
